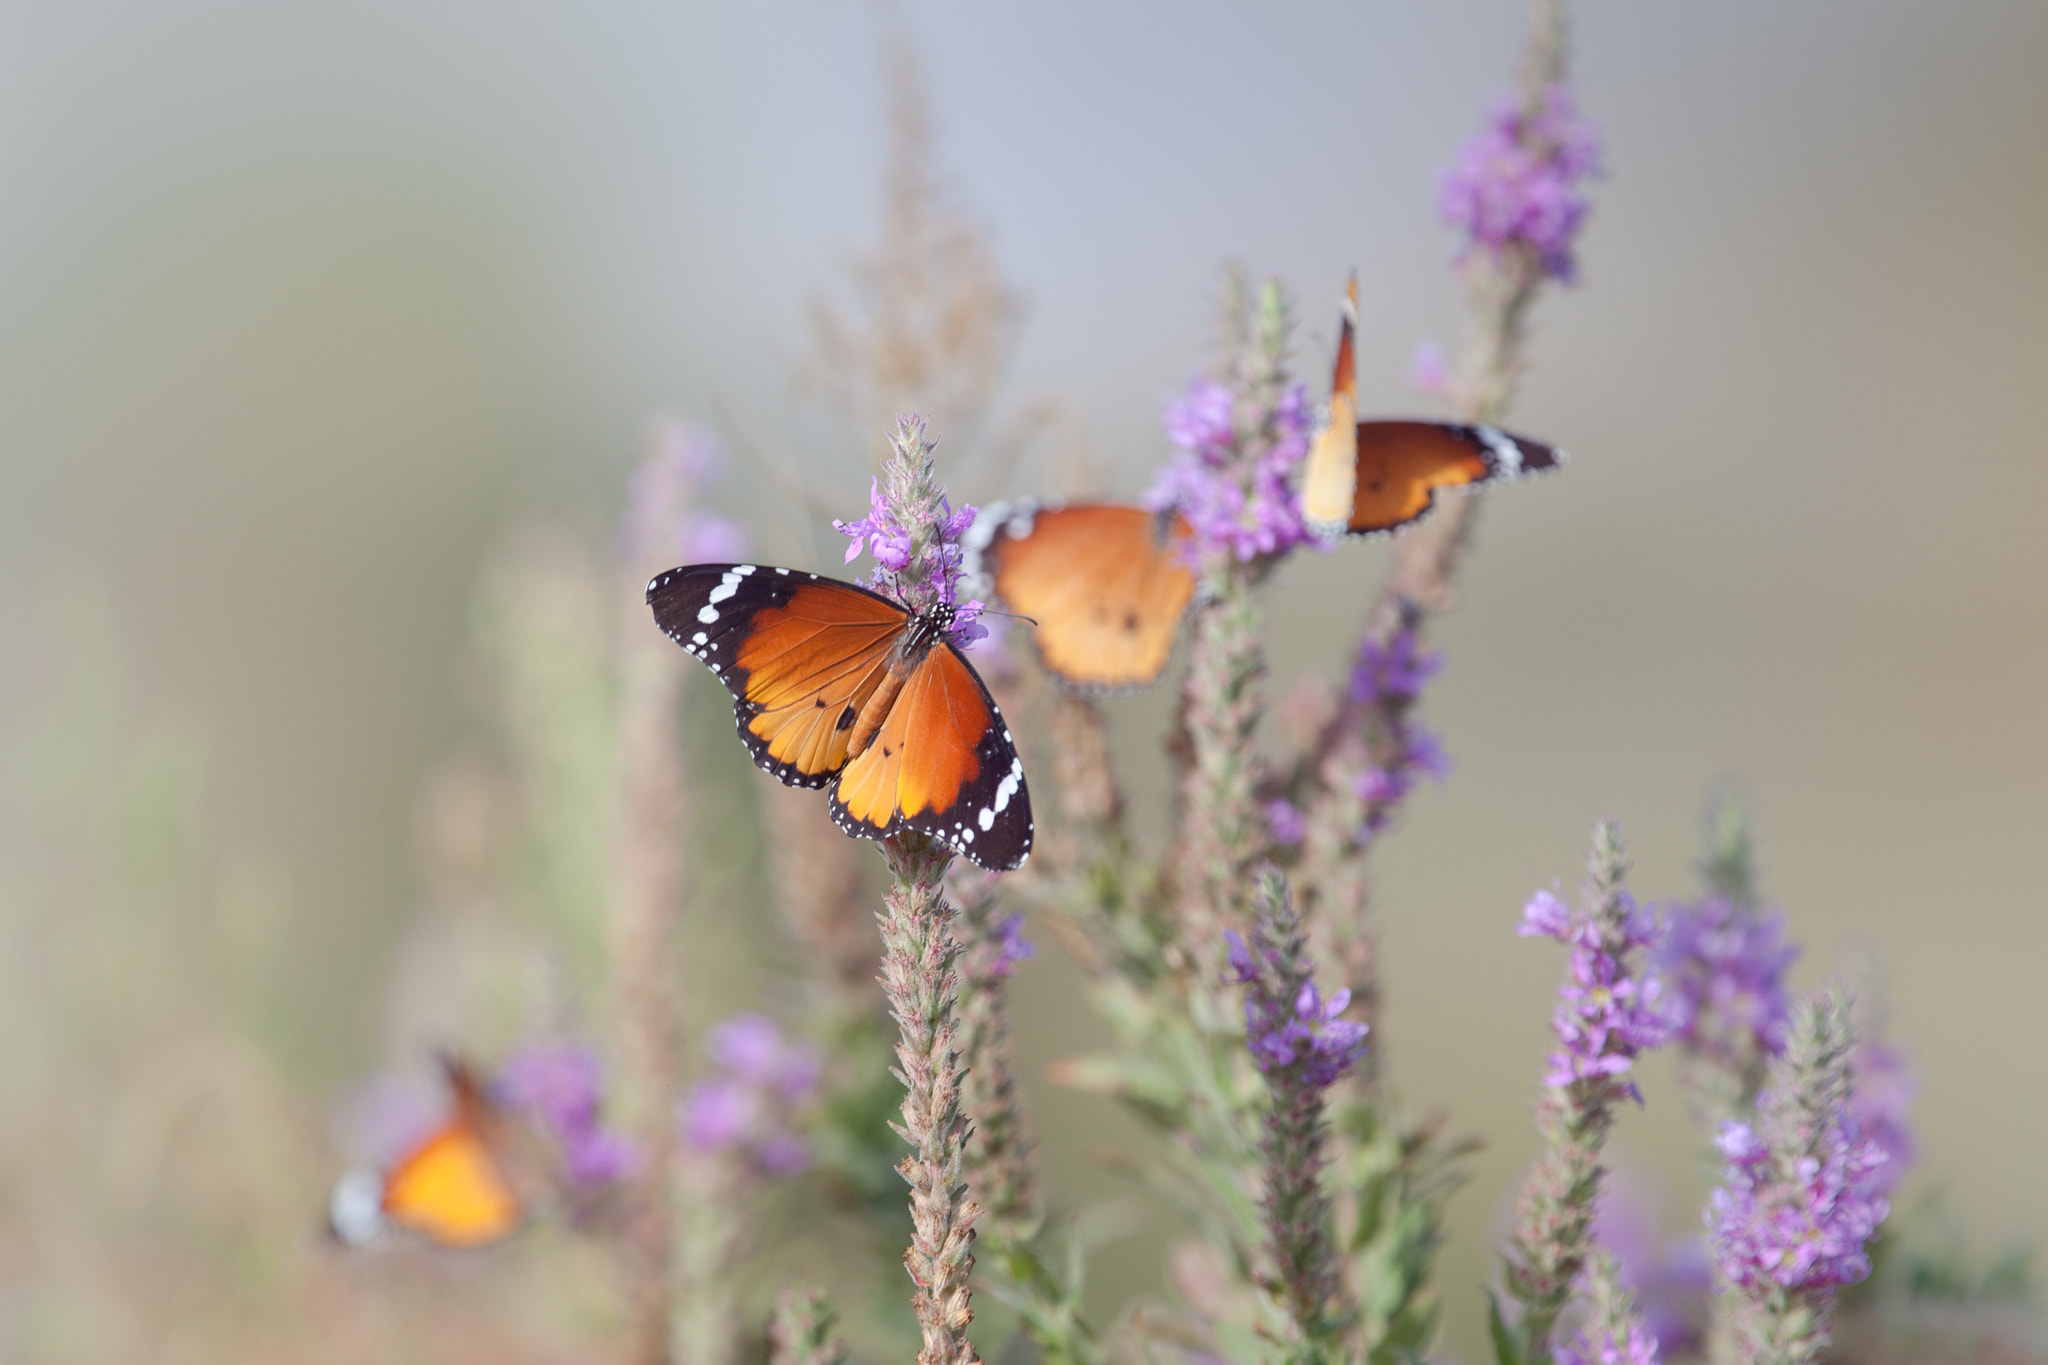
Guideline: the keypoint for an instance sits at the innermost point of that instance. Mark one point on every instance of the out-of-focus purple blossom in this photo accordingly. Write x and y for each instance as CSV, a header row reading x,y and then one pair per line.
x,y
1428,371
1285,821
561,1085
1883,1102
1393,671
1799,1224
707,538
1669,1279
662,521
893,547
1235,489
1605,1016
1011,947
1519,181
1726,967
749,1107
1638,1347
1303,1034
1203,422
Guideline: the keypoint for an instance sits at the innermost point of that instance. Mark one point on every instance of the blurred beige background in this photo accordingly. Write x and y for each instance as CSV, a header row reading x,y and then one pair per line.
x,y
303,307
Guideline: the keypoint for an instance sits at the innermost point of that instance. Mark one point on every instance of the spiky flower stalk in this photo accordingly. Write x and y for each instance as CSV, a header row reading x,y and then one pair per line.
x,y
804,1330
1301,1046
1802,1198
920,976
1613,1333
1608,1013
914,534
1002,1166
649,813
1242,435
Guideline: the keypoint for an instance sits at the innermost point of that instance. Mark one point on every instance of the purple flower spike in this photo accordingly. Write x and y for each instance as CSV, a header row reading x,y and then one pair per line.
x,y
662,521
1299,1032
923,577
1393,671
1605,1016
1519,181
1726,965
1803,1191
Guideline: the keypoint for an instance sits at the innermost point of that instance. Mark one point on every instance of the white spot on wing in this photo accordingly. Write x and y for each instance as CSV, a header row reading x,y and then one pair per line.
x,y
1503,447
707,614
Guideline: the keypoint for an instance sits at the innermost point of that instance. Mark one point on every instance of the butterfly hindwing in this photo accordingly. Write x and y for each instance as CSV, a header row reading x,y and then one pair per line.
x,y
452,1188
1329,475
800,654
943,764
1106,585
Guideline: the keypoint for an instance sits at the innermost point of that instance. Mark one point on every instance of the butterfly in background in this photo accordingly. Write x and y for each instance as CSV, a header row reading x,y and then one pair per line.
x,y
1107,586
1366,477
835,684
452,1188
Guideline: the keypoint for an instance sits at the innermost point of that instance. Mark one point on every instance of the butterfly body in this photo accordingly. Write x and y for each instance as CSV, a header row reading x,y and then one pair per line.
x,y
1106,584
836,685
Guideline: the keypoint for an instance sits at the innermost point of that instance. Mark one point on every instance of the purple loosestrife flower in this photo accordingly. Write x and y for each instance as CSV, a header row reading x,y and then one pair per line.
x,y
1802,1195
749,1107
1518,182
561,1086
1292,1030
1605,1016
1395,671
1236,490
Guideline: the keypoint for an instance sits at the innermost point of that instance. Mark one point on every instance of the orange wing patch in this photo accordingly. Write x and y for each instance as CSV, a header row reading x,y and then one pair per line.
x,y
811,666
1330,473
451,1190
1105,584
1400,467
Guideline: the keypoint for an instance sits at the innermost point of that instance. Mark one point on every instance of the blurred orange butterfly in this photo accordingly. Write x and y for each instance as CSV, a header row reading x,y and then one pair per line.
x,y
453,1188
1365,477
1107,586
835,684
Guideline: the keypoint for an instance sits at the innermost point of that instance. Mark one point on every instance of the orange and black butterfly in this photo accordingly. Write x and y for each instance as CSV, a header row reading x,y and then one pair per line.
x,y
832,683
1107,586
453,1188
1364,477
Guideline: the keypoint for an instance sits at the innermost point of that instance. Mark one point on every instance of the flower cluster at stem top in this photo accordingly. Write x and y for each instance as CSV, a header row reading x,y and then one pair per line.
x,y
1519,180
1233,480
1301,1034
882,534
1800,1224
1605,1015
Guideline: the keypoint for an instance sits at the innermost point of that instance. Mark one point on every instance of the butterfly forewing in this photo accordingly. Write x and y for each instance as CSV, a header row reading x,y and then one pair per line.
x,y
1402,464
942,764
797,652
1106,585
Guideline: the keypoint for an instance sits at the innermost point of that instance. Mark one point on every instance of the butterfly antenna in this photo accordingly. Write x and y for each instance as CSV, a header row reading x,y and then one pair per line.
x,y
995,611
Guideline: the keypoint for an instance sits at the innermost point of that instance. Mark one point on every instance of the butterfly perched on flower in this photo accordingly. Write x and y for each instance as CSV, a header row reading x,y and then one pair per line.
x,y
455,1187
835,684
1367,477
1106,584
